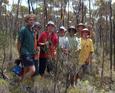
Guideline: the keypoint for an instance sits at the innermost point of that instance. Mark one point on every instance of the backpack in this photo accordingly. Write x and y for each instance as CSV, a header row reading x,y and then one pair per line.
x,y
17,68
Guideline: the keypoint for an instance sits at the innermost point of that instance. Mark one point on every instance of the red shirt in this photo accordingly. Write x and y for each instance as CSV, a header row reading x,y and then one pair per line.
x,y
53,38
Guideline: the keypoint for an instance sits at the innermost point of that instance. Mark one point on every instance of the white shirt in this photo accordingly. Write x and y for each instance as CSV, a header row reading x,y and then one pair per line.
x,y
63,42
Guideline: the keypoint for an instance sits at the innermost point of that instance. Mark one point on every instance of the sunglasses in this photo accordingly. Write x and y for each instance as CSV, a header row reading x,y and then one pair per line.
x,y
37,27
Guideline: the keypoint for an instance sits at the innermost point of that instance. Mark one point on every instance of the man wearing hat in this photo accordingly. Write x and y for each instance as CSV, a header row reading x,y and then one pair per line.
x,y
36,28
63,44
74,47
92,32
73,40
80,27
48,42
86,51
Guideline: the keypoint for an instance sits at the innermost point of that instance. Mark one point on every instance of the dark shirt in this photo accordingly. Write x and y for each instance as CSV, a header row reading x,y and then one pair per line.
x,y
26,37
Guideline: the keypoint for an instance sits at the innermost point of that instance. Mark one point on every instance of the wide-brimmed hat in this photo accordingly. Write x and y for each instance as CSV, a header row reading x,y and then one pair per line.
x,y
72,28
80,24
37,24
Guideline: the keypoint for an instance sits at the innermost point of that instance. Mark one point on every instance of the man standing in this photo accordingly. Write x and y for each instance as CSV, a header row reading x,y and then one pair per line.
x,y
63,45
74,47
25,47
80,27
86,51
48,43
36,28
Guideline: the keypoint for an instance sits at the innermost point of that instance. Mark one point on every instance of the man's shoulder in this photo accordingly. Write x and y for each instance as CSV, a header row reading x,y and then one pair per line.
x,y
55,35
23,29
89,39
66,38
43,35
77,38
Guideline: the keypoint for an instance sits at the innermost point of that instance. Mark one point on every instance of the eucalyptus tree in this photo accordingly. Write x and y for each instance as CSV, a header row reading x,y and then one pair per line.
x,y
3,12
106,32
103,5
111,42
113,8
1,1
80,10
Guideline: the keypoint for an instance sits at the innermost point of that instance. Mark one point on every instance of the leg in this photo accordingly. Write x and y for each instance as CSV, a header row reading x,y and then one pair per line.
x,y
29,71
29,67
36,67
42,66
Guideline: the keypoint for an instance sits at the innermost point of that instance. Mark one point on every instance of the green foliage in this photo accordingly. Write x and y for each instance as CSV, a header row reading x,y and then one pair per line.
x,y
3,82
6,1
39,8
4,86
85,87
23,9
42,84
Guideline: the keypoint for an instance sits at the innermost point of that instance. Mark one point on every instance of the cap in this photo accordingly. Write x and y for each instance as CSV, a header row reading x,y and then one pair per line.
x,y
62,27
85,29
50,23
80,24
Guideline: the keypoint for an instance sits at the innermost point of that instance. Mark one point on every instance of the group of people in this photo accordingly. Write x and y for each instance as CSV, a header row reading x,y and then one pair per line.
x,y
36,49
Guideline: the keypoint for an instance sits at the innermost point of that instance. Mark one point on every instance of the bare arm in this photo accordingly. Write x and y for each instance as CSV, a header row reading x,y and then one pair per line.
x,y
43,43
89,59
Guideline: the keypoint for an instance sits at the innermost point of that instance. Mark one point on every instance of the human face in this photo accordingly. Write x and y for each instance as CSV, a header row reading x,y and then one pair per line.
x,y
85,34
61,32
36,28
30,21
71,32
50,28
80,28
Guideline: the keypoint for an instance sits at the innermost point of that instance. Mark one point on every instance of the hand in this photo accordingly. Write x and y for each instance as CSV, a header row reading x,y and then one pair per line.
x,y
65,51
46,43
77,52
88,60
38,49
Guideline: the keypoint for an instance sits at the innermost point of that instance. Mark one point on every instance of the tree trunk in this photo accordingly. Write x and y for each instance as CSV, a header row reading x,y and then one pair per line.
x,y
45,13
0,6
103,61
68,15
32,8
29,6
114,41
111,43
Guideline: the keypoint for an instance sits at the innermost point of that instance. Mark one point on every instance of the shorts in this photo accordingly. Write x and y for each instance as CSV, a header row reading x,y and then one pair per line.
x,y
27,60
